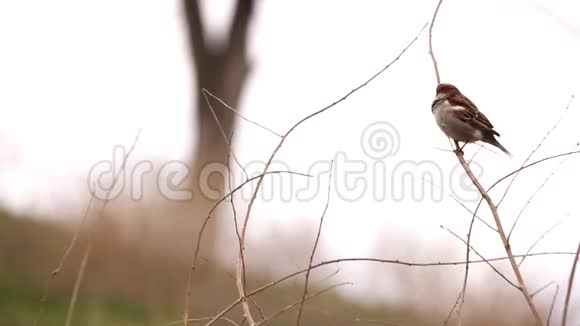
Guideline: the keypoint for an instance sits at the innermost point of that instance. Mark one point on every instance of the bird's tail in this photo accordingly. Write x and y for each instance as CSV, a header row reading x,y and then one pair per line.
x,y
496,143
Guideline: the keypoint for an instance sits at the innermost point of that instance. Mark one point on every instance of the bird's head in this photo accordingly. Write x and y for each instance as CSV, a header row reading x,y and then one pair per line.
x,y
446,89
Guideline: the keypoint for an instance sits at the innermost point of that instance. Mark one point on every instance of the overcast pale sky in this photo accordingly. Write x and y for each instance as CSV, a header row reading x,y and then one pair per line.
x,y
79,76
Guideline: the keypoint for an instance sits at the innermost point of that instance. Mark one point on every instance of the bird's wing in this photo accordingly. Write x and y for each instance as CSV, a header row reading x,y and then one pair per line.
x,y
471,114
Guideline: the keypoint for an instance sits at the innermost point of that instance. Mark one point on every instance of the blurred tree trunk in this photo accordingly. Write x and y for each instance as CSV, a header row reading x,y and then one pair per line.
x,y
220,66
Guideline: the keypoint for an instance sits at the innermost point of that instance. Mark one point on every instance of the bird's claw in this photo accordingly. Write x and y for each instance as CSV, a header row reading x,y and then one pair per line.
x,y
458,149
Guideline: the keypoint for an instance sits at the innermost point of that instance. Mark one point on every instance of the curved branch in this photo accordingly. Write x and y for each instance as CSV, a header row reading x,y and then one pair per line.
x,y
300,122
503,237
492,207
431,43
304,294
570,285
373,260
197,245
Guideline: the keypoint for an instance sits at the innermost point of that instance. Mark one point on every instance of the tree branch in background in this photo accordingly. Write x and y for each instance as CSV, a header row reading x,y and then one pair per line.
x,y
239,282
435,66
545,180
77,286
64,257
504,239
552,304
538,291
570,286
260,177
89,248
491,205
540,239
290,306
231,322
531,198
459,296
307,277
301,121
373,260
466,273
229,107
473,213
482,258
517,171
536,149
530,165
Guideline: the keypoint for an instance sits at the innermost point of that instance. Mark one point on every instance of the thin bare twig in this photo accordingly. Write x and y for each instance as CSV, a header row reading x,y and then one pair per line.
x,y
260,311
330,315
465,207
530,165
538,291
461,298
206,57
240,282
373,260
89,247
79,279
241,264
536,149
453,308
64,257
475,154
227,139
483,258
540,239
197,241
331,275
504,239
500,180
307,277
529,201
468,251
290,306
493,208
205,91
491,205
431,42
466,273
202,319
300,122
241,285
553,304
506,243
570,286
465,279
518,170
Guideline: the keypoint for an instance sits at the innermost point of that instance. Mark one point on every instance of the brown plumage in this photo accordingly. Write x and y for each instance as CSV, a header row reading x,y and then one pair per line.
x,y
459,118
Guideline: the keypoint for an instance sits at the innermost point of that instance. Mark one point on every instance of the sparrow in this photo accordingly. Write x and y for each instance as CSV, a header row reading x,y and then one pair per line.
x,y
460,119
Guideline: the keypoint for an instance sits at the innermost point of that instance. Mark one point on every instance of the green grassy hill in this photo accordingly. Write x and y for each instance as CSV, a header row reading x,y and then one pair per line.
x,y
127,285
